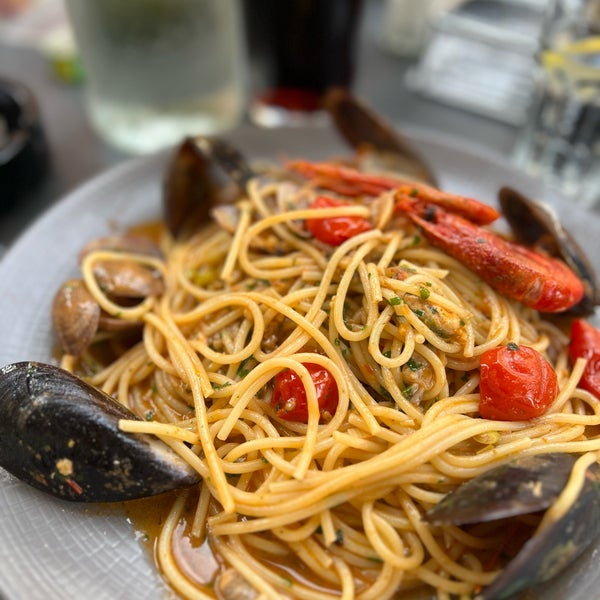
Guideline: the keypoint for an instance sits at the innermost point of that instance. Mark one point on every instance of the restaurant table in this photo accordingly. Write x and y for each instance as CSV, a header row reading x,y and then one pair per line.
x,y
77,153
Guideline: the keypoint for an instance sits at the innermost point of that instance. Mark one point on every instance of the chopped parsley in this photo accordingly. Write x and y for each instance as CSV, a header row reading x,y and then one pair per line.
x,y
413,365
243,369
220,386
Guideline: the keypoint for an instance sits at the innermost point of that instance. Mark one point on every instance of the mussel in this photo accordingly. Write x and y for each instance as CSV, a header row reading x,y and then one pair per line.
x,y
525,486
206,172
379,146
61,435
203,173
536,224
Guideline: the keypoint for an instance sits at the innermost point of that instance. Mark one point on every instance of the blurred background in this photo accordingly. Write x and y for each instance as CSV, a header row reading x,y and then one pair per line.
x,y
516,78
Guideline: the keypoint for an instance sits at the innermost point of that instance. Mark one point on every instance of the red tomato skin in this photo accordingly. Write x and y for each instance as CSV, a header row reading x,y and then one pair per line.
x,y
585,343
516,383
335,230
289,397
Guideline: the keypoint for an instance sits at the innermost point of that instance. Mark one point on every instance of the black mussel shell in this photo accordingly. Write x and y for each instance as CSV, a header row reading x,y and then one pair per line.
x,y
365,130
61,435
554,548
522,486
203,173
537,224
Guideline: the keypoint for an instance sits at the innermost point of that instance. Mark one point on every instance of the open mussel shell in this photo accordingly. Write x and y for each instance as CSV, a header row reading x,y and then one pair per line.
x,y
61,435
522,486
371,134
537,224
189,188
228,158
554,548
204,172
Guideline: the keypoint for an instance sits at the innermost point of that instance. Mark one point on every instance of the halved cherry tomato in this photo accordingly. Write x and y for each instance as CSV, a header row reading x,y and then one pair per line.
x,y
585,343
289,396
517,383
335,230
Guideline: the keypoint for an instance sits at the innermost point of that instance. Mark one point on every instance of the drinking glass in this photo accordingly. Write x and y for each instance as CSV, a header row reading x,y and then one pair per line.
x,y
299,48
157,70
561,141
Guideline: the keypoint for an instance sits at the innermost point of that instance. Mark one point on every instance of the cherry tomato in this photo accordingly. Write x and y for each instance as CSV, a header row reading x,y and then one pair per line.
x,y
517,383
335,230
585,343
289,396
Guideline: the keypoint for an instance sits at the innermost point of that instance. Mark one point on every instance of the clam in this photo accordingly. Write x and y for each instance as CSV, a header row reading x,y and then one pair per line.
x,y
127,279
77,316
61,435
129,243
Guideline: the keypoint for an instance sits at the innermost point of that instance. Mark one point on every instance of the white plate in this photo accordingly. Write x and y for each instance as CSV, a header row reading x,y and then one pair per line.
x,y
55,550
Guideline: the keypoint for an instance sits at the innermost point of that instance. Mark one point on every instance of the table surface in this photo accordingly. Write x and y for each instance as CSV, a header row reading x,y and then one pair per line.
x,y
77,153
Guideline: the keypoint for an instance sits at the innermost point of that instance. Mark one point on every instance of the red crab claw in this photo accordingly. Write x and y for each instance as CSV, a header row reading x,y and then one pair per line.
x,y
351,182
536,280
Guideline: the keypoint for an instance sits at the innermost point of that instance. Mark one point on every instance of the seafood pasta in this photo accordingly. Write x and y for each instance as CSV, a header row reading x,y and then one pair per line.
x,y
331,373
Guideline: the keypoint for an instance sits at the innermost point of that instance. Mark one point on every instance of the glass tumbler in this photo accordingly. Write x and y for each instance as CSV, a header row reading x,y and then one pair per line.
x,y
299,49
561,141
157,70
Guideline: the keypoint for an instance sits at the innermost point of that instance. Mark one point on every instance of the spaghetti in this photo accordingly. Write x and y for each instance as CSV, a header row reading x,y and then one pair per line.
x,y
330,507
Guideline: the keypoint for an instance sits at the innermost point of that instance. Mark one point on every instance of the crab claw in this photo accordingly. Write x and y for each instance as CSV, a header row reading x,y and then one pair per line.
x,y
534,279
351,182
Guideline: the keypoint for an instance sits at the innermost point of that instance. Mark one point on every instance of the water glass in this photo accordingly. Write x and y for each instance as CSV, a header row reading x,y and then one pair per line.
x,y
157,70
561,142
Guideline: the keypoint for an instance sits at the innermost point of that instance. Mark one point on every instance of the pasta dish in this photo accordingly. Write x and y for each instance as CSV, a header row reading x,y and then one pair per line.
x,y
325,384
